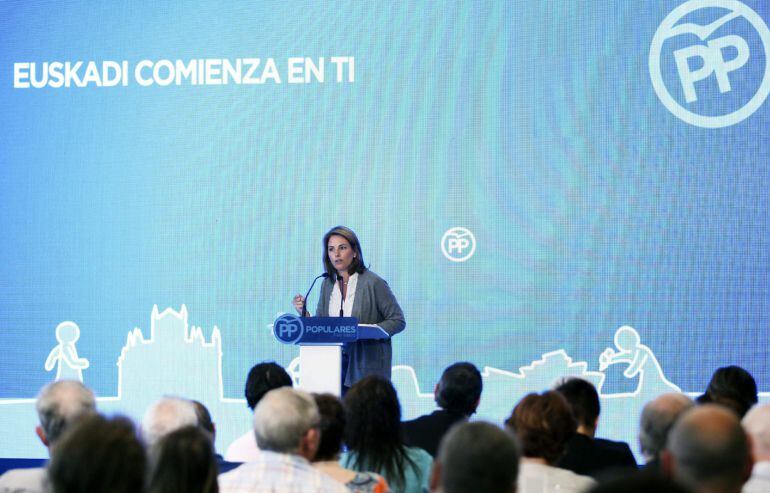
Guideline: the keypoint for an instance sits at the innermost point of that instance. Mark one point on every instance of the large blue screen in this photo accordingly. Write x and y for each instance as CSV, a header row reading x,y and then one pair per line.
x,y
549,188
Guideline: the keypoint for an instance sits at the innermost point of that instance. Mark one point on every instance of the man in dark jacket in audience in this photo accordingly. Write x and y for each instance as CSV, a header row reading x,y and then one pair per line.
x,y
457,394
586,454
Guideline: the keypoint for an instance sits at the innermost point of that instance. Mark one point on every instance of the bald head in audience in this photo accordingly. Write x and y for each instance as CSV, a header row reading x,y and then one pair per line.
x,y
757,425
708,451
658,417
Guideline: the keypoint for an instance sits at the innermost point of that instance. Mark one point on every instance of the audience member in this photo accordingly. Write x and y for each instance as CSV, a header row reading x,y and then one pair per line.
x,y
204,419
640,482
544,424
59,405
206,423
286,428
457,394
476,458
586,454
732,387
757,425
327,457
166,415
658,417
708,451
183,462
704,449
262,378
98,455
374,439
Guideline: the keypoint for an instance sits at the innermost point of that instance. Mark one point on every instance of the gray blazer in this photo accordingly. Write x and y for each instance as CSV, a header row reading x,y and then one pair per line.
x,y
374,304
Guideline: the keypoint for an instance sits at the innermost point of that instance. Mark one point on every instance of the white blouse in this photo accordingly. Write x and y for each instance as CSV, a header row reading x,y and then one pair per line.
x,y
336,298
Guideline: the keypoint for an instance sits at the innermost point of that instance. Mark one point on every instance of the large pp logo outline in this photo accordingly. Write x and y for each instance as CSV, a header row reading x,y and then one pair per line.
x,y
666,30
288,328
458,239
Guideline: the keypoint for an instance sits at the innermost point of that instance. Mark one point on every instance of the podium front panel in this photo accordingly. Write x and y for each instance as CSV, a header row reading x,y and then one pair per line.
x,y
320,369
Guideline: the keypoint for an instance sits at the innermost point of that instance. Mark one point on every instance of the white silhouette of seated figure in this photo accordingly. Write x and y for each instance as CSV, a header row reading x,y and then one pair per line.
x,y
640,359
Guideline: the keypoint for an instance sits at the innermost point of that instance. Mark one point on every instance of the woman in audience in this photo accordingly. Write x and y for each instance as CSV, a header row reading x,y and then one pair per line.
x,y
328,454
98,455
184,462
543,424
374,439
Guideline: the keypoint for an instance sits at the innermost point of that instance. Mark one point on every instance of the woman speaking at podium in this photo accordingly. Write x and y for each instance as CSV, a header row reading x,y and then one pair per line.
x,y
352,290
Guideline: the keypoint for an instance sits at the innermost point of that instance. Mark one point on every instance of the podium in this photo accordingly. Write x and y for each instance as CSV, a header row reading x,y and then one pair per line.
x,y
320,341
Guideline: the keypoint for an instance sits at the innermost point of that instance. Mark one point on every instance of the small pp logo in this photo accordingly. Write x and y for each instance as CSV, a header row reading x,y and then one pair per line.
x,y
458,244
288,328
709,57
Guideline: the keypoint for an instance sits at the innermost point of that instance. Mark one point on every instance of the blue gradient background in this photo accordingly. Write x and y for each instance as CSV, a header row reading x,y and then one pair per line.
x,y
533,124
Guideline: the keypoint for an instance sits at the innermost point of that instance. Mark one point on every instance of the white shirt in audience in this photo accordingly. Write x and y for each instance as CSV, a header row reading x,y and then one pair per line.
x,y
760,479
540,478
23,481
243,449
273,472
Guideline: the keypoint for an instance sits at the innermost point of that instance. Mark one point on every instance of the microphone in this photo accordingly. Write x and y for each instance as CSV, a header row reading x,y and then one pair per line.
x,y
342,298
304,302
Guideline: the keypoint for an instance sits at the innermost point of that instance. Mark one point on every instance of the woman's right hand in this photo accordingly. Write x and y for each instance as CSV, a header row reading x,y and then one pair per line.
x,y
298,302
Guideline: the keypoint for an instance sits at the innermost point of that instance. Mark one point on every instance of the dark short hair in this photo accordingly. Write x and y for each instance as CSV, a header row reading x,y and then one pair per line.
x,y
263,378
583,399
478,457
459,389
98,455
732,387
543,423
358,262
332,426
184,460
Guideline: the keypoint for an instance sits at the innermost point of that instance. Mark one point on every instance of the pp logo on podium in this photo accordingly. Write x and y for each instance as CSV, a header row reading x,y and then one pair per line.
x,y
288,328
706,63
458,244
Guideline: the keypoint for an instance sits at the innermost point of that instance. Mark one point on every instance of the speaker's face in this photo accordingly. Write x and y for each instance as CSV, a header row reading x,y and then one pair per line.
x,y
340,253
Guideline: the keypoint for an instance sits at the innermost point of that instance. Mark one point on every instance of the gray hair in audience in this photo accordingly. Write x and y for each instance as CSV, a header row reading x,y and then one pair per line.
x,y
757,425
478,457
166,415
708,446
282,417
61,403
658,417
